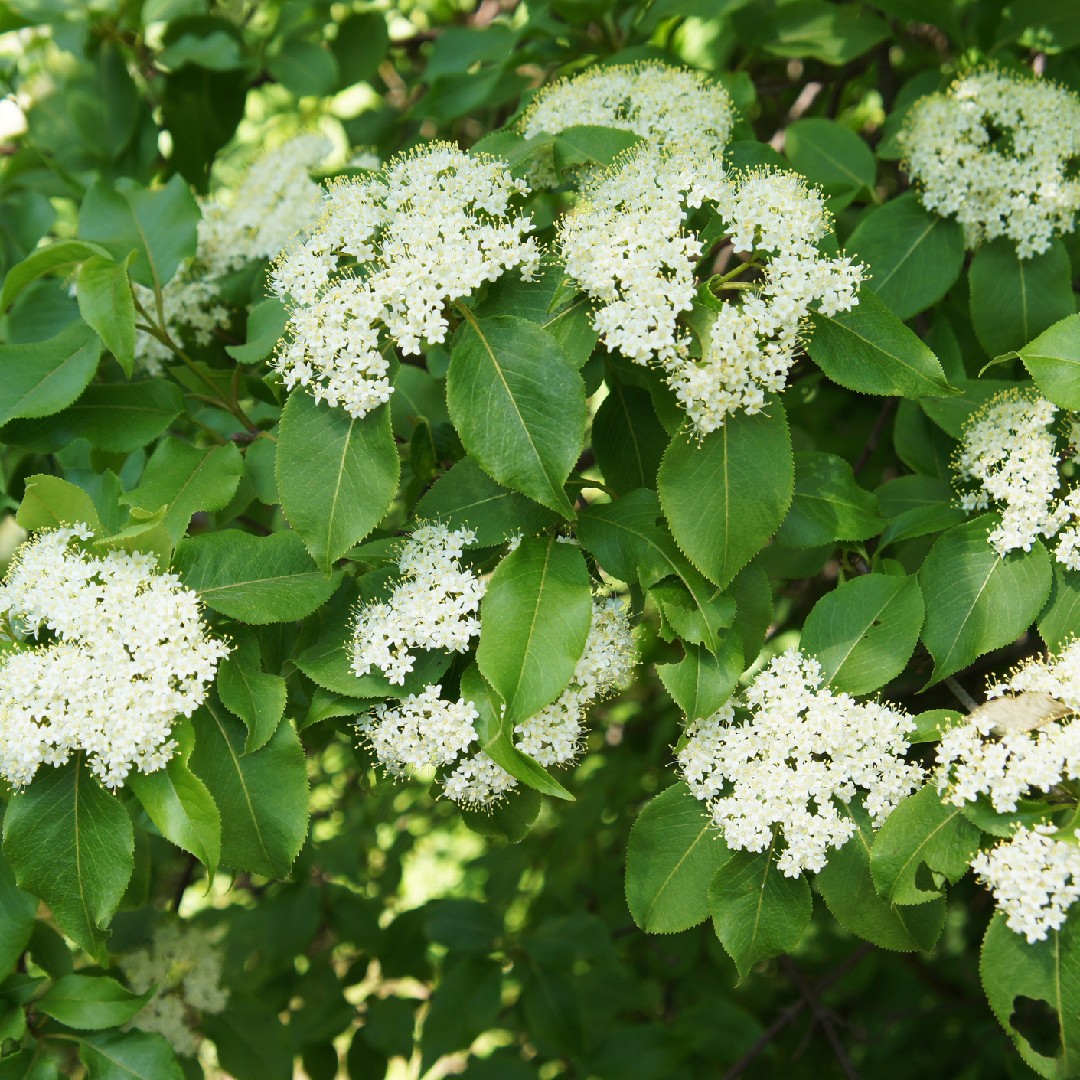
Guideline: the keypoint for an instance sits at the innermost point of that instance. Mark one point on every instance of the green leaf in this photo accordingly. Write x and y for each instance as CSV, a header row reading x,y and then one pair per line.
x,y
914,257
495,734
17,916
49,502
466,497
250,693
518,405
105,302
265,328
43,377
511,819
185,479
262,796
1053,361
158,225
628,440
464,1005
756,911
864,632
630,541
870,350
1061,616
1047,971
251,1041
129,1055
831,156
590,145
952,413
60,257
119,417
1013,299
305,68
70,843
360,45
673,854
825,32
90,1002
534,620
256,579
725,495
828,504
982,600
180,805
337,475
921,832
701,682
916,505
848,890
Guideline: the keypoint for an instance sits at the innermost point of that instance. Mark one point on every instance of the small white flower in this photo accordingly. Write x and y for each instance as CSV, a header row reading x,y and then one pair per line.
x,y
1035,879
434,606
997,152
130,654
388,254
478,783
801,752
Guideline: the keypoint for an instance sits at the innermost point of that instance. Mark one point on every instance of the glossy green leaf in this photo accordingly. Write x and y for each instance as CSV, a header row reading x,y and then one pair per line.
x,y
831,156
701,682
90,1002
725,495
864,632
105,302
18,910
1060,618
262,796
265,328
534,620
848,890
826,32
129,1055
337,475
922,835
1053,361
828,504
59,257
1012,299
1047,971
628,440
673,854
981,600
247,691
256,579
185,479
44,377
518,405
914,257
49,501
70,843
756,911
870,350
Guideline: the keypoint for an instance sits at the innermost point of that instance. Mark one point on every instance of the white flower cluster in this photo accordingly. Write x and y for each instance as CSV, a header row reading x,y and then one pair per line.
x,y
998,152
388,254
672,108
1010,450
183,964
974,760
553,735
433,606
424,731
626,247
802,751
1035,879
130,654
275,200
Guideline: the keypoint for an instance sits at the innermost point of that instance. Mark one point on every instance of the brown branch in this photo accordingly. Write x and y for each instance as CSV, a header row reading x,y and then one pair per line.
x,y
872,440
821,1016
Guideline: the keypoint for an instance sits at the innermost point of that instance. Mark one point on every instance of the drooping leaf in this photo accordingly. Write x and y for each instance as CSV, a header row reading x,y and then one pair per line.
x,y
534,620
70,843
673,854
60,257
725,495
628,440
701,682
337,475
247,691
105,302
828,504
981,600
90,1002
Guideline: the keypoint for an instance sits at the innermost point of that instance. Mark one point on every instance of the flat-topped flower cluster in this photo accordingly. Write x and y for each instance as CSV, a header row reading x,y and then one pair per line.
x,y
775,764
273,201
627,247
388,254
1011,453
998,152
129,653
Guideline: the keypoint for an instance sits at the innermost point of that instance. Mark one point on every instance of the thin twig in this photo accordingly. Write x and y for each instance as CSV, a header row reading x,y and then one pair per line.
x,y
872,440
961,694
821,1015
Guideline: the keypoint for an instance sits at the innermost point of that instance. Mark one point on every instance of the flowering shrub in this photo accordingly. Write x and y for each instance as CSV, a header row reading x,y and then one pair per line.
x,y
539,540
